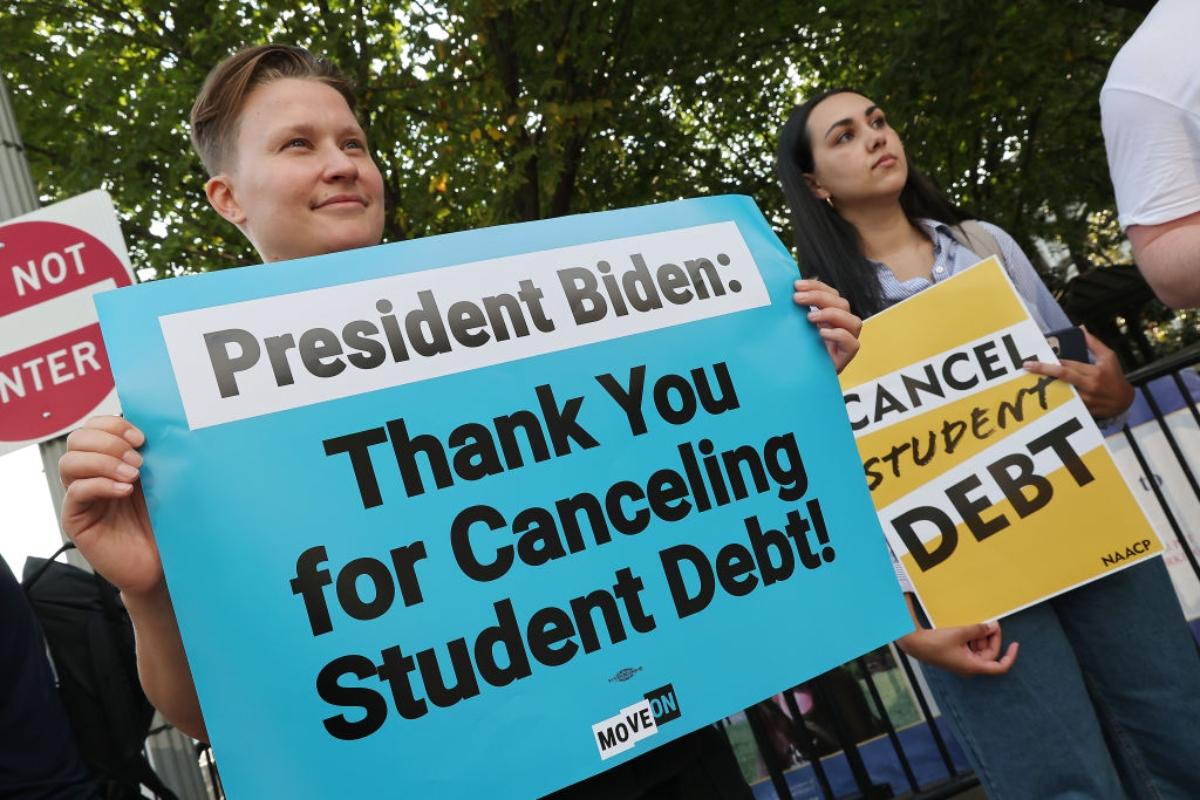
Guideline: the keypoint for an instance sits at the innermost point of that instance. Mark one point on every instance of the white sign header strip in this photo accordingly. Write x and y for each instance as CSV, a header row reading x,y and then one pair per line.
x,y
1024,335
50,318
257,388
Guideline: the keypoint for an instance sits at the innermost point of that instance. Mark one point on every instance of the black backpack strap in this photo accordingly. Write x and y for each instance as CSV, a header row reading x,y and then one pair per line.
x,y
146,776
101,649
32,579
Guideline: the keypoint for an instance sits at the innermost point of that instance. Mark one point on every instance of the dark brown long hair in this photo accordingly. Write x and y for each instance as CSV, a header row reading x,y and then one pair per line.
x,y
827,246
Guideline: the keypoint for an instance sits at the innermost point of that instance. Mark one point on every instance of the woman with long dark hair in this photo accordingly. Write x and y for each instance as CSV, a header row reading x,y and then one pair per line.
x,y
1104,698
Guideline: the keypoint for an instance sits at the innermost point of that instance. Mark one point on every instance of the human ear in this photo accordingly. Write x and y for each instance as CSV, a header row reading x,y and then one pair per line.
x,y
219,191
814,186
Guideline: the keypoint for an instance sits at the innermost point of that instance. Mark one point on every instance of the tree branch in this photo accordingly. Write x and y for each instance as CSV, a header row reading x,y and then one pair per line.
x,y
500,41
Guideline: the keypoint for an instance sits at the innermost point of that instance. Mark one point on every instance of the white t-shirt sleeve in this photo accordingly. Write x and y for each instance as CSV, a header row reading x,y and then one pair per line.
x,y
1153,156
1150,112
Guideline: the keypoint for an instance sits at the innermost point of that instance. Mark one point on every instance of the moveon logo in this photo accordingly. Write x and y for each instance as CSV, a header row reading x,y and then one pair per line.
x,y
634,723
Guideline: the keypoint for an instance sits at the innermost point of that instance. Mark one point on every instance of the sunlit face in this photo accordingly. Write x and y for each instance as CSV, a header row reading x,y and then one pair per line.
x,y
301,181
857,156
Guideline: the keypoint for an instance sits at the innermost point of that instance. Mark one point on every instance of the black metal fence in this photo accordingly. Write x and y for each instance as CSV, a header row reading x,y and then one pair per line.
x,y
1165,389
1177,369
890,769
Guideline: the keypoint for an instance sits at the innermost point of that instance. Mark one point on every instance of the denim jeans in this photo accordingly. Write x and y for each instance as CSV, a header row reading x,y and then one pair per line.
x,y
1102,702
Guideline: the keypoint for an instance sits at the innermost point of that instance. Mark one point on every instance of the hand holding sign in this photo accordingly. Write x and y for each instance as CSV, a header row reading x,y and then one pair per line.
x,y
993,484
104,512
837,325
647,463
1102,386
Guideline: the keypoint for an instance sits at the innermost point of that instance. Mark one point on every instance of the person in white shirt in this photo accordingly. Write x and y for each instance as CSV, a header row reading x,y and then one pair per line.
x,y
1150,112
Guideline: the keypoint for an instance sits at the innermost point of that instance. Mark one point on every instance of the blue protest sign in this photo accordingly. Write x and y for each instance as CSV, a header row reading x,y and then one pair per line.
x,y
495,511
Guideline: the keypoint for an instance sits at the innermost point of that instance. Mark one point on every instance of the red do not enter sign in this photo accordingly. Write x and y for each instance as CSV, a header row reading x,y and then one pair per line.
x,y
54,370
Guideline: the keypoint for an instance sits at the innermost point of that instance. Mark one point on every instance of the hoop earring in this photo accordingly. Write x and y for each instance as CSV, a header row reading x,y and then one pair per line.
x,y
829,201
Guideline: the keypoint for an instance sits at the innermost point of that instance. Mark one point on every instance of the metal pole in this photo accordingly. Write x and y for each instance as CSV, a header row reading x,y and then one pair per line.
x,y
938,741
17,193
762,739
808,742
886,718
823,693
18,196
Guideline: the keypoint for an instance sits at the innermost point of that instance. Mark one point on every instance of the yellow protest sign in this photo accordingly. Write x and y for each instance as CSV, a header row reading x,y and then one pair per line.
x,y
993,485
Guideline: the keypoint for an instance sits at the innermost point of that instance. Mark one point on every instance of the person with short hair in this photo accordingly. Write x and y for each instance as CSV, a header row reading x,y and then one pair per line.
x,y
290,167
1150,113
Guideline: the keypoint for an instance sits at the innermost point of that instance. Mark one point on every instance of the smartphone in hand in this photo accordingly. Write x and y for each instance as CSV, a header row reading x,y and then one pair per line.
x,y
1069,344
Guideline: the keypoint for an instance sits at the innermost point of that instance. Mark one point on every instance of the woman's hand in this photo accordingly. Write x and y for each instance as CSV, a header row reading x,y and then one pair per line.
x,y
104,511
967,650
1101,386
831,314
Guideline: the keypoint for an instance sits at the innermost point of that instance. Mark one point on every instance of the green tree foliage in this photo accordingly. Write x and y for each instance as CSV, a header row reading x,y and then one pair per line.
x,y
480,112
1000,103
484,112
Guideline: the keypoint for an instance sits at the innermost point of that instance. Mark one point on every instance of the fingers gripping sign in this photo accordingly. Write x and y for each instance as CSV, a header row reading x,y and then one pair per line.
x,y
830,312
1101,384
104,511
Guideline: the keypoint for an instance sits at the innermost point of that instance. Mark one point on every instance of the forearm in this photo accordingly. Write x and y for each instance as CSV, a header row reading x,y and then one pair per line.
x,y
162,665
1169,258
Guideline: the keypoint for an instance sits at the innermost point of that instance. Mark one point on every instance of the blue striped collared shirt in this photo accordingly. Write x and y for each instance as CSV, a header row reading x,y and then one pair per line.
x,y
950,257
